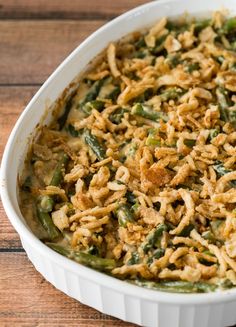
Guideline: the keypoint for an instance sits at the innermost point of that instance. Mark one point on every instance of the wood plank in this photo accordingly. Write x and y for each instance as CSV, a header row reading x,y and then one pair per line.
x,y
12,102
31,50
57,9
27,299
9,239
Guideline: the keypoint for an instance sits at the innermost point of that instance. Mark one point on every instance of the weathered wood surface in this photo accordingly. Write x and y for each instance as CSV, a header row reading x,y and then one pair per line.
x,y
35,36
31,50
27,300
76,9
12,102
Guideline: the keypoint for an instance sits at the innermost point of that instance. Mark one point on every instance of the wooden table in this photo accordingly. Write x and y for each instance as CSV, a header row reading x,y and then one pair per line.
x,y
35,36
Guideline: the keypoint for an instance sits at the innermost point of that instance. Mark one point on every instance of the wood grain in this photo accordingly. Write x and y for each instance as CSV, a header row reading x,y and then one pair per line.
x,y
31,50
9,239
12,102
28,300
57,9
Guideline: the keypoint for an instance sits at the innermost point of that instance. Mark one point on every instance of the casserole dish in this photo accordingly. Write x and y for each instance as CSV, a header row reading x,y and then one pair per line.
x,y
134,304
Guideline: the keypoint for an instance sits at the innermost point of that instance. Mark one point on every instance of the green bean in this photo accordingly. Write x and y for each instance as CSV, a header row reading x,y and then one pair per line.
x,y
207,235
148,113
132,149
173,60
64,250
192,67
124,215
233,67
176,286
215,224
233,45
220,59
91,94
225,284
113,95
221,171
232,117
147,94
63,118
159,46
224,103
117,115
229,25
152,141
170,25
47,223
199,26
72,131
141,54
58,172
213,133
131,198
189,143
134,259
94,104
84,258
157,254
140,43
207,252
152,131
46,203
135,207
92,141
171,94
186,231
177,28
153,237
93,249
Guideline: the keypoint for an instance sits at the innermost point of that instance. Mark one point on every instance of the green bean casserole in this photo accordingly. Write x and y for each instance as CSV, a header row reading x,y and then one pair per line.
x,y
136,175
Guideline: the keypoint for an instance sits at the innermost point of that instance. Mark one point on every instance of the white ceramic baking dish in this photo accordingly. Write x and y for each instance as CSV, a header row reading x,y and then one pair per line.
x,y
106,294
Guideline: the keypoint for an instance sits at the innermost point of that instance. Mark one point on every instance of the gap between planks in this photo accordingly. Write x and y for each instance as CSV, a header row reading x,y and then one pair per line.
x,y
40,45
58,9
10,250
27,299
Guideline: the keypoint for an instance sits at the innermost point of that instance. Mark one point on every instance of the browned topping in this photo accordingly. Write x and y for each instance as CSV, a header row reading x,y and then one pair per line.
x,y
141,166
